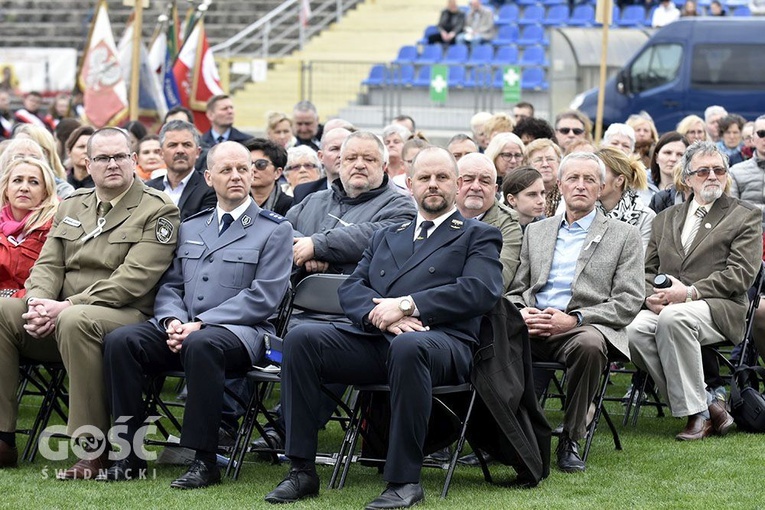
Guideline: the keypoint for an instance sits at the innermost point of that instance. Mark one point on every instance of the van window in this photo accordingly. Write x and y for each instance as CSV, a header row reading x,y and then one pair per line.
x,y
657,65
733,66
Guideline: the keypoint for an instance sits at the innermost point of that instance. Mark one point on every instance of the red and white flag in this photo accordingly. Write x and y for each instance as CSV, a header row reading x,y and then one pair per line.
x,y
305,12
197,75
105,100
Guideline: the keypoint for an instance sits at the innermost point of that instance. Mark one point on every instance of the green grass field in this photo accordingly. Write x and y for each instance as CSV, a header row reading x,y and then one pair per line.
x,y
653,471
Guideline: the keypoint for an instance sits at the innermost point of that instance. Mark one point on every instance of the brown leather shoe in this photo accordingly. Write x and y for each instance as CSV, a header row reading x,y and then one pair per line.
x,y
9,455
696,428
721,419
86,469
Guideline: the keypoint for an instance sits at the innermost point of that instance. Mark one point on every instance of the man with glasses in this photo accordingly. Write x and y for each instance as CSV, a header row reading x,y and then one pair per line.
x,y
570,126
98,270
748,177
710,248
268,161
180,146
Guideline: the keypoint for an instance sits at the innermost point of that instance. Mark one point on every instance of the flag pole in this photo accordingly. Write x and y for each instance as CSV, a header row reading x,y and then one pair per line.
x,y
135,61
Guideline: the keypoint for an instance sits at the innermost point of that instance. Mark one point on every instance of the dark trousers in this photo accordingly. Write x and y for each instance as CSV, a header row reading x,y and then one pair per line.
x,y
206,357
411,363
584,351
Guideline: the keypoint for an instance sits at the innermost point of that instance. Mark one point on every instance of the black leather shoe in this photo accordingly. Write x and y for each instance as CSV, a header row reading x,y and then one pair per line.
x,y
398,495
471,459
567,452
200,474
9,455
439,457
124,470
276,443
297,485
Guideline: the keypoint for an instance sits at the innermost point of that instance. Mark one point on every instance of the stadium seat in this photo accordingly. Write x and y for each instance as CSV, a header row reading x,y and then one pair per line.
x,y
533,78
506,55
582,16
526,2
478,77
423,77
742,11
481,54
649,17
457,76
430,30
532,14
550,3
402,75
557,15
507,34
534,56
406,55
456,54
378,76
732,4
631,16
532,34
431,54
508,14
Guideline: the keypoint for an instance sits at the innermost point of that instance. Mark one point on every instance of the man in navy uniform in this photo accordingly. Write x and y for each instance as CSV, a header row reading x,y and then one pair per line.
x,y
415,302
230,273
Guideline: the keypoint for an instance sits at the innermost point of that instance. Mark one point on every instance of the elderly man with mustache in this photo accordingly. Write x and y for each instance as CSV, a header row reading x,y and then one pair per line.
x,y
180,142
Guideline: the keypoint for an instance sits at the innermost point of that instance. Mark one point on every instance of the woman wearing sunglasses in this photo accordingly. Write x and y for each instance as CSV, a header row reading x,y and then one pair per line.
x,y
268,161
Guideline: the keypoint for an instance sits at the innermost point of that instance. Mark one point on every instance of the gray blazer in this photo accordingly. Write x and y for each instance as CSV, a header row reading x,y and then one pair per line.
x,y
607,287
236,280
722,262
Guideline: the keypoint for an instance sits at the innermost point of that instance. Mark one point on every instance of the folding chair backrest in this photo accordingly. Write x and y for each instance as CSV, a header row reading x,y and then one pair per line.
x,y
318,293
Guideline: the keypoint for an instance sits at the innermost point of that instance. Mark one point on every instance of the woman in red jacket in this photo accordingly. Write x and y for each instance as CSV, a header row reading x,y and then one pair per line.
x,y
27,205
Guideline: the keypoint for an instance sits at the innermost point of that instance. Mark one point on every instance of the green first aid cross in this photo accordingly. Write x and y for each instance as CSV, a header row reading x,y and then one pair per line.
x,y
439,85
511,84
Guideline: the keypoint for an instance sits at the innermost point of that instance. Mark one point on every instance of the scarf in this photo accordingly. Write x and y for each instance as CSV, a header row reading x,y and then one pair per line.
x,y
9,225
727,150
551,202
625,210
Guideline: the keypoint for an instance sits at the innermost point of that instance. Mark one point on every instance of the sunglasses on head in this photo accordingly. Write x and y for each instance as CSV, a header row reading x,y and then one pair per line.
x,y
261,164
565,131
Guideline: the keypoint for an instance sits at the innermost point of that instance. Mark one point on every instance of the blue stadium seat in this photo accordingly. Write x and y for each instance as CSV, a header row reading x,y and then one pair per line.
x,y
550,3
557,15
731,4
507,34
508,13
478,77
423,77
742,11
406,55
429,30
532,34
534,56
631,16
583,15
533,78
532,14
378,75
506,55
649,16
431,54
456,54
526,2
481,54
456,76
402,75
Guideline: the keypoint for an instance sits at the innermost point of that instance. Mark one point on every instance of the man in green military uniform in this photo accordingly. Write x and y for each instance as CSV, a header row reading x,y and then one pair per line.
x,y
98,270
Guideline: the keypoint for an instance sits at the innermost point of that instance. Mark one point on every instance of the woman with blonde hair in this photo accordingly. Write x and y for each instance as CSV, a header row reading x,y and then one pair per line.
x,y
45,140
27,205
646,136
693,128
625,176
279,129
498,123
506,151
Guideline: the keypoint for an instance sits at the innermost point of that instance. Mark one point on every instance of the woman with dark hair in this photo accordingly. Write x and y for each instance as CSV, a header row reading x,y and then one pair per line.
x,y
731,142
76,147
524,191
667,153
137,132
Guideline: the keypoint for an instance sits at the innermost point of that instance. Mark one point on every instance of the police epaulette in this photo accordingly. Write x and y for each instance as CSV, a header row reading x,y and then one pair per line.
x,y
200,213
278,218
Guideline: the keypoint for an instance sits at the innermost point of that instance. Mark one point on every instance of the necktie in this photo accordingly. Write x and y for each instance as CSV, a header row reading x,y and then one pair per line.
x,y
698,217
226,221
221,139
103,209
423,235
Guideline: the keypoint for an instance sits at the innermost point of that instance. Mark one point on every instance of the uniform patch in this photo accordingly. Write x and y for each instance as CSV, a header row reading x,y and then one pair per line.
x,y
246,221
456,224
164,230
72,222
403,227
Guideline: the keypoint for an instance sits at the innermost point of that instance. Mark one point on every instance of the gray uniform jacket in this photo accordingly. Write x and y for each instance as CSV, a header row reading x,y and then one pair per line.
x,y
236,280
341,227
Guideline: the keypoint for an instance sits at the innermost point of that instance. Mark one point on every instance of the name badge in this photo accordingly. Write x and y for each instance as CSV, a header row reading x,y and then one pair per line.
x,y
72,222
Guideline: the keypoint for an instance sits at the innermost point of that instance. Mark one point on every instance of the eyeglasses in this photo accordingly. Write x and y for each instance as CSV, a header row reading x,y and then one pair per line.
x,y
298,166
105,158
547,159
507,156
704,171
261,164
566,130
760,133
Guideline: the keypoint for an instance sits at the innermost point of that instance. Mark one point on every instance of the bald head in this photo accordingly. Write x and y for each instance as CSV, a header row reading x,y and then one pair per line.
x,y
329,154
229,173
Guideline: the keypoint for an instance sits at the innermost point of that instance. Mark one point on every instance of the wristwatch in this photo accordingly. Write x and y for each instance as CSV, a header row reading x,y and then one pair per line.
x,y
689,294
406,306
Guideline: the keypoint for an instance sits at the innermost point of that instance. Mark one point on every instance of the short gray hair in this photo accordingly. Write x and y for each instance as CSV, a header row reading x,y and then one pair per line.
x,y
300,151
582,156
396,129
705,148
367,135
617,129
179,125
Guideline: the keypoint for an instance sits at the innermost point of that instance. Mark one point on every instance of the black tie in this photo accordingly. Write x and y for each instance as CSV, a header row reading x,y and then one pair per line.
x,y
423,235
226,221
221,139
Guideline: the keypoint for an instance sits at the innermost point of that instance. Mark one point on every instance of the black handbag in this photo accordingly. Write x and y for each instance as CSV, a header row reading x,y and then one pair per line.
x,y
747,403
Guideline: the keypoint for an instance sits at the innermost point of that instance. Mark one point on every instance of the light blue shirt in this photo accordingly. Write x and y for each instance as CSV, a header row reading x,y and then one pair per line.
x,y
556,293
216,135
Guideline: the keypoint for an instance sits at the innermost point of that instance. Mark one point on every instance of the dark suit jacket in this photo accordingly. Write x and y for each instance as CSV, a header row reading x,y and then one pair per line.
x,y
722,262
207,142
454,278
303,190
196,197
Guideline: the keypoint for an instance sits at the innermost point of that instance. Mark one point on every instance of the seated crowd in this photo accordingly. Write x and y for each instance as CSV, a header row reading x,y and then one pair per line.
x,y
218,225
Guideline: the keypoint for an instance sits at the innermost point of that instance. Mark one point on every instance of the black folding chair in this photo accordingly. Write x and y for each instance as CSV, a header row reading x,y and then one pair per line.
x,y
45,379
